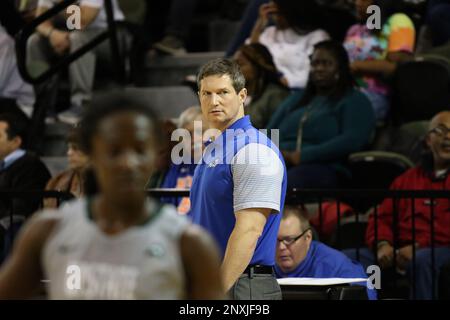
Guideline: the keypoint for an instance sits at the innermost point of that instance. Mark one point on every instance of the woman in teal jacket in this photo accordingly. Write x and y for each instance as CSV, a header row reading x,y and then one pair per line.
x,y
322,125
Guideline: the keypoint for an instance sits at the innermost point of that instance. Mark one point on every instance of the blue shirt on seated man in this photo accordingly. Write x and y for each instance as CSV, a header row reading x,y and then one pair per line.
x,y
298,255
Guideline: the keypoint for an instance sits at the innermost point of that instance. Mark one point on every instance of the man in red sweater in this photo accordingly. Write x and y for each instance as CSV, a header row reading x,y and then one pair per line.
x,y
431,174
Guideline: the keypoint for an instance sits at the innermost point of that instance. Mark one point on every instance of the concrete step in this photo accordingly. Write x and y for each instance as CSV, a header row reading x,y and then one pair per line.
x,y
164,70
220,33
168,101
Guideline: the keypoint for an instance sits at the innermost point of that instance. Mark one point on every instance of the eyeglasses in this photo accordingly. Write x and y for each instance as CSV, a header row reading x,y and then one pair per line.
x,y
440,131
290,240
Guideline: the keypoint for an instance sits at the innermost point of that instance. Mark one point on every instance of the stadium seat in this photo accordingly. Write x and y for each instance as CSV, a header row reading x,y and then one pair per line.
x,y
374,170
347,293
421,89
168,101
351,233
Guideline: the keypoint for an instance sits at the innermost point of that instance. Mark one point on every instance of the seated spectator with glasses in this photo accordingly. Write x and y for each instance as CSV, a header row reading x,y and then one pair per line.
x,y
298,255
431,174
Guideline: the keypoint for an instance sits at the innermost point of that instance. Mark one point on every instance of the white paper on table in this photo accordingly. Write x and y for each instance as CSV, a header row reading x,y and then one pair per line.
x,y
317,281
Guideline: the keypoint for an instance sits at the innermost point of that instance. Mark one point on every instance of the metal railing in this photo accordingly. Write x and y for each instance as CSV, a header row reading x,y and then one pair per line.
x,y
341,196
318,197
348,196
35,201
110,33
42,105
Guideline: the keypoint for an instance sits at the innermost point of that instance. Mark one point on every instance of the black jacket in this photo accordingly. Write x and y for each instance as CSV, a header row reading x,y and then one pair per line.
x,y
26,173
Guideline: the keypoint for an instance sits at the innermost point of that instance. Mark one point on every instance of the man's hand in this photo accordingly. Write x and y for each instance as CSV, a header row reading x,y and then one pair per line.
x,y
60,41
291,157
265,10
284,81
404,256
385,254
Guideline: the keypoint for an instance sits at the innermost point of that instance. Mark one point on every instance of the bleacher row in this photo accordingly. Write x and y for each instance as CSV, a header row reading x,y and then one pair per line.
x,y
161,79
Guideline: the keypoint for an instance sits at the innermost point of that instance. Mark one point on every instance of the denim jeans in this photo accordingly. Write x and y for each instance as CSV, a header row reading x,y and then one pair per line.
x,y
423,273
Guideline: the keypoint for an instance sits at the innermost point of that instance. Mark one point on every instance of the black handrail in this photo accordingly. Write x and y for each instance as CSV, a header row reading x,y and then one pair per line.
x,y
168,192
23,35
297,196
35,193
328,193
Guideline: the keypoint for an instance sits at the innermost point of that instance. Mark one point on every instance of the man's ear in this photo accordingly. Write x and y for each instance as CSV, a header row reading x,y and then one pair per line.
x,y
310,235
17,142
427,141
243,94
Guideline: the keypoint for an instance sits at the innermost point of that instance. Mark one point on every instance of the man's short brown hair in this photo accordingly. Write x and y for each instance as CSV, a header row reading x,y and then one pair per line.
x,y
299,212
221,67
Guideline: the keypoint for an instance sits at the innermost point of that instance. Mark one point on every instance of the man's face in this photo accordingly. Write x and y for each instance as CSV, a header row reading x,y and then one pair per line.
x,y
288,257
221,105
196,129
361,9
7,145
324,69
438,140
123,155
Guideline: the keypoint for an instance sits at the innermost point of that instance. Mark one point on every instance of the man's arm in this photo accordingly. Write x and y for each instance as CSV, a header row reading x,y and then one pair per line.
x,y
58,39
242,243
31,177
46,27
20,275
384,67
258,178
202,264
88,15
263,19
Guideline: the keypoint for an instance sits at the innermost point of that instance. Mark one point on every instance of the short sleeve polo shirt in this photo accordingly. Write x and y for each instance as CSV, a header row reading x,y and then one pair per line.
x,y
241,169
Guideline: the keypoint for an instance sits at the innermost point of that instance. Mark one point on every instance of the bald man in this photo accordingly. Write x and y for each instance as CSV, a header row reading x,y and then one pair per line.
x,y
431,174
180,175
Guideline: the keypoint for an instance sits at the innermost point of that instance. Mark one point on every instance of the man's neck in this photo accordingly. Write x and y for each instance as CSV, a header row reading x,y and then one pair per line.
x,y
230,123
